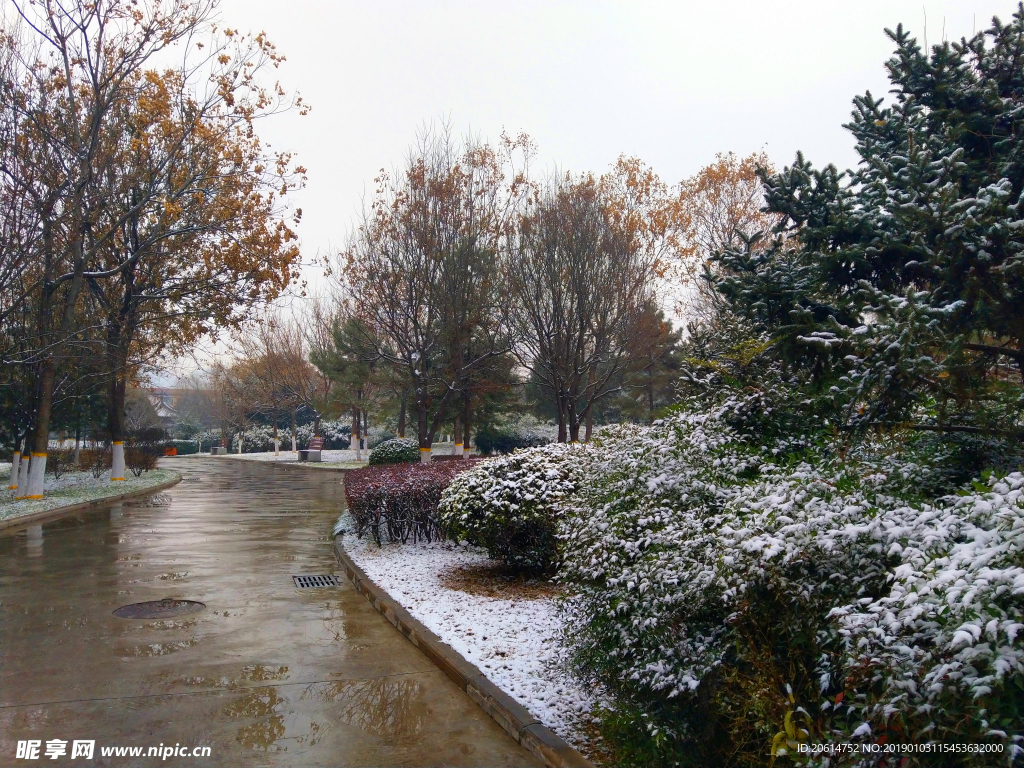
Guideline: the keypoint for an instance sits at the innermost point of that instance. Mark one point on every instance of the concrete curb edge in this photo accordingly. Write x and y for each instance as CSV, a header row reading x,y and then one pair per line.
x,y
47,514
502,708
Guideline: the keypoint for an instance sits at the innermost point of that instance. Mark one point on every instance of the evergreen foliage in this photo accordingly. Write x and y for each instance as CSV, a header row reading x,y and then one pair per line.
x,y
395,451
894,293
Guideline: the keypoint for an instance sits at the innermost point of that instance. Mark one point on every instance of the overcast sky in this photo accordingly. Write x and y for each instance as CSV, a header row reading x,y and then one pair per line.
x,y
672,83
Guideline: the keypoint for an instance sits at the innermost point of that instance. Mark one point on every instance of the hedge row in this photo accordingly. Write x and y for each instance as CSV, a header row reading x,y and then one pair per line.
x,y
398,502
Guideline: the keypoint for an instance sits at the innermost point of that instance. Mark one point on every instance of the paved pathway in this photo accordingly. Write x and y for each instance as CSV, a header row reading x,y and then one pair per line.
x,y
266,675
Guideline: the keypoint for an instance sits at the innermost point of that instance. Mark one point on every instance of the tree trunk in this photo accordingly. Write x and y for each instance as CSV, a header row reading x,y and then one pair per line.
x,y
26,463
467,413
355,441
294,445
560,405
277,444
41,433
401,417
590,425
115,423
457,437
573,418
422,433
12,483
78,437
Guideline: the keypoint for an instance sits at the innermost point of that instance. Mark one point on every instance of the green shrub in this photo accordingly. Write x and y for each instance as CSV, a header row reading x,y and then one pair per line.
x,y
185,447
508,505
395,451
505,439
731,596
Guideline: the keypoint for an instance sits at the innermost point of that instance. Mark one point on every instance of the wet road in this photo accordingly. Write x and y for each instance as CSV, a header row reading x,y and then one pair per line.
x,y
266,675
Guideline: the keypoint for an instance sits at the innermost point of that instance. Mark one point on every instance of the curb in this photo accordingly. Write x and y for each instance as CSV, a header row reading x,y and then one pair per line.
x,y
502,708
46,514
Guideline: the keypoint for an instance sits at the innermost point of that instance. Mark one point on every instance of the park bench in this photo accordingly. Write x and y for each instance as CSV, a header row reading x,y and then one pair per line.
x,y
312,451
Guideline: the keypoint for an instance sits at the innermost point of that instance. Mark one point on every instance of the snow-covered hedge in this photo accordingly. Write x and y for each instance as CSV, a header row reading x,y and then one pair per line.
x,y
395,451
508,505
726,588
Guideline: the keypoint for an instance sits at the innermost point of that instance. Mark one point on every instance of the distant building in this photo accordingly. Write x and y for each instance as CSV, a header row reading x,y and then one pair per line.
x,y
168,401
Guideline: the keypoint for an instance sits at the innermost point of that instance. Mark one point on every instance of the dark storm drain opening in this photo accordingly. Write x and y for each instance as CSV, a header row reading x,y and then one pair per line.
x,y
307,582
159,609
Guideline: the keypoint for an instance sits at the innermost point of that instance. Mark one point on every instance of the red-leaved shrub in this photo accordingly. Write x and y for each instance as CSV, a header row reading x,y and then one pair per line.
x,y
396,502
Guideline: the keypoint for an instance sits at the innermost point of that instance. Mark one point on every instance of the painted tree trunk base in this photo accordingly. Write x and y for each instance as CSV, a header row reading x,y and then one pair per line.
x,y
458,450
22,487
36,476
15,466
117,462
425,455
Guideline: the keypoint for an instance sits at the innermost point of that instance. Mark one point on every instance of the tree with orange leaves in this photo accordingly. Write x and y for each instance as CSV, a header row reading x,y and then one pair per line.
x,y
162,207
713,211
582,276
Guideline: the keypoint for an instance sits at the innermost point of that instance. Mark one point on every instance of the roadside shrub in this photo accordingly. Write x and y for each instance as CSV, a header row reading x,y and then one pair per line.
x,y
505,439
396,502
140,458
738,599
59,461
96,460
395,451
184,447
508,505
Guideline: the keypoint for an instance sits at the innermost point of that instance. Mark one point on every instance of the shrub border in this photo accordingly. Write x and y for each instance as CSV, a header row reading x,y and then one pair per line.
x,y
47,514
512,716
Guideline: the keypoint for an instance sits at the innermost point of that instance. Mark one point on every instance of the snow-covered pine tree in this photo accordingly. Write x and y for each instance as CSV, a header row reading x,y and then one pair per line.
x,y
895,291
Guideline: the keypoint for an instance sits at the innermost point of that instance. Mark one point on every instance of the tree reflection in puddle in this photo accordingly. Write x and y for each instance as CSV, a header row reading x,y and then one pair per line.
x,y
259,703
389,709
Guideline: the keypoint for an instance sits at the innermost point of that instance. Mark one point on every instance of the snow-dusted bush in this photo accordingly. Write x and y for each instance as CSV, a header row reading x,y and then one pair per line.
x,y
714,576
396,502
395,451
508,505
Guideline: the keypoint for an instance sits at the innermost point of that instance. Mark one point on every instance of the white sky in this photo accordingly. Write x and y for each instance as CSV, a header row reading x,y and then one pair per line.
x,y
671,82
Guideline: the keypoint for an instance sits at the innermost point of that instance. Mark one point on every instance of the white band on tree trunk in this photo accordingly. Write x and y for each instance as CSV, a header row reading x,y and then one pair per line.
x,y
15,466
117,462
36,475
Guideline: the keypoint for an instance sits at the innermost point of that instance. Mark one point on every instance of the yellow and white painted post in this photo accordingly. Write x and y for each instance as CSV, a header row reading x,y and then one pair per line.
x,y
117,461
424,455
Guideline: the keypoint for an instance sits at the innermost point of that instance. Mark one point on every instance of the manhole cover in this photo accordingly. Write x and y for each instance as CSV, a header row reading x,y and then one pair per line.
x,y
307,582
159,609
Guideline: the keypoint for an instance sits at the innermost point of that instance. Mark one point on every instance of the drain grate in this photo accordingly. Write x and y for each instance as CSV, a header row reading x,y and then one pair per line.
x,y
308,582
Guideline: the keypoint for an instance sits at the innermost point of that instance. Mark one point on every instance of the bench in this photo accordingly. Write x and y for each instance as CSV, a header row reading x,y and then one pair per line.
x,y
312,451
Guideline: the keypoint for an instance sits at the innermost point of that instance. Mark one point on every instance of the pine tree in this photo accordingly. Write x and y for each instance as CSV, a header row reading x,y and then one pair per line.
x,y
896,290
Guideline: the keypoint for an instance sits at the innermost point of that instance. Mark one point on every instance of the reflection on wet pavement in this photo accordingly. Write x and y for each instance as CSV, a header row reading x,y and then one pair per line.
x,y
267,674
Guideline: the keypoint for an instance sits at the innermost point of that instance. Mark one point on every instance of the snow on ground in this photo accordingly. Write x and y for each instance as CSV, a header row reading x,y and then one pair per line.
x,y
74,488
513,642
